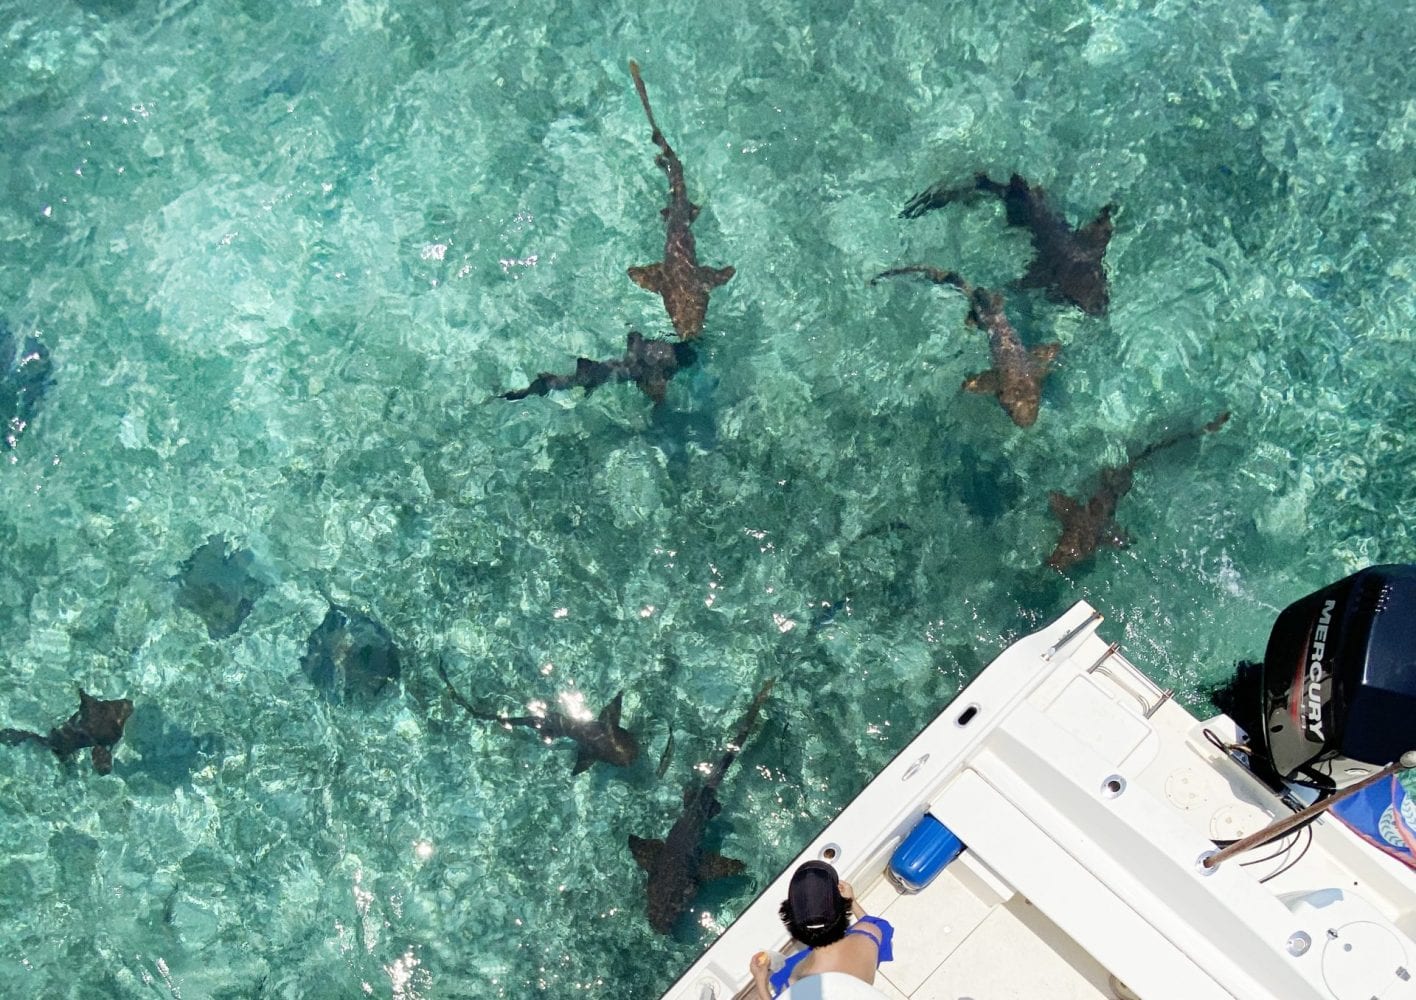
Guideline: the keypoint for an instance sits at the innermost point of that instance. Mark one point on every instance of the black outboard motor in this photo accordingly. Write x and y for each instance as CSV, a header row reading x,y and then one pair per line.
x,y
1338,682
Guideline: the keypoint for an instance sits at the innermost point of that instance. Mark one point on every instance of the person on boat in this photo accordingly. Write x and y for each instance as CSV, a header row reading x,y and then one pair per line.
x,y
818,911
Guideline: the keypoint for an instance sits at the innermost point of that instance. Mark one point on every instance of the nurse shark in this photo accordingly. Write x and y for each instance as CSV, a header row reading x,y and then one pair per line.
x,y
98,724
598,739
679,864
1018,372
678,279
1088,525
649,364
1066,262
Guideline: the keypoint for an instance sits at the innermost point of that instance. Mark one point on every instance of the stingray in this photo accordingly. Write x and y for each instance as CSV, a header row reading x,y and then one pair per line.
x,y
350,657
218,587
649,364
26,373
167,752
1066,262
98,724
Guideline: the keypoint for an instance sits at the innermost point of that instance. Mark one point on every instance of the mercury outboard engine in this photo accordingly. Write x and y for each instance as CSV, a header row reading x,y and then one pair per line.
x,y
1337,687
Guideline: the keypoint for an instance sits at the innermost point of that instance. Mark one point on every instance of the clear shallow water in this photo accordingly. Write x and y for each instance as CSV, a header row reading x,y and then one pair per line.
x,y
280,255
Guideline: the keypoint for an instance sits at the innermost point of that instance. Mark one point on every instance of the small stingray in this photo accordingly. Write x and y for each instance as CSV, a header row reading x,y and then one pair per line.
x,y
985,484
1066,262
649,364
26,373
167,752
218,587
350,657
97,724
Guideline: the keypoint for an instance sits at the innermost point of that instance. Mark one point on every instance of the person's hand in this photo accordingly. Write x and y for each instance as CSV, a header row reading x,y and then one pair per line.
x,y
848,894
761,966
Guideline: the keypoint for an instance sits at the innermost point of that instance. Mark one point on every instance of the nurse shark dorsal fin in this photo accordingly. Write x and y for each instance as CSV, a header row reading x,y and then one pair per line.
x,y
610,714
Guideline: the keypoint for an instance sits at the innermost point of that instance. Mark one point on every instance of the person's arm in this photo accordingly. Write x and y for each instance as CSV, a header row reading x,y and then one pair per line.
x,y
844,887
761,976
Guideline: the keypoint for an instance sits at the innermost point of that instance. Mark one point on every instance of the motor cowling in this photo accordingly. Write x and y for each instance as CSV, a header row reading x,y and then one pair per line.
x,y
1338,685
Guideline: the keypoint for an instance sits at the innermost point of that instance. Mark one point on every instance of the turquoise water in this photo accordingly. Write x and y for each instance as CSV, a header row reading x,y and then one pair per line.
x,y
280,254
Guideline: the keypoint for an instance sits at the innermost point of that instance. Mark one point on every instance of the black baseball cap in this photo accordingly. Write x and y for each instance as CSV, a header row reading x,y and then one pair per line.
x,y
815,897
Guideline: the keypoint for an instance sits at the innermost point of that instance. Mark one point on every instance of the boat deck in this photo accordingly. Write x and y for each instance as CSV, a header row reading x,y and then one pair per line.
x,y
1087,799
949,937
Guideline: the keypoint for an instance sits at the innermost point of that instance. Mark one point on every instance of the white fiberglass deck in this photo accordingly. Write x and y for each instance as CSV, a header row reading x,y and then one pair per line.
x,y
1087,798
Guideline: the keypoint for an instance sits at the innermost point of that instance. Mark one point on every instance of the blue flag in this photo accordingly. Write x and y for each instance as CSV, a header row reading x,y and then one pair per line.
x,y
1384,816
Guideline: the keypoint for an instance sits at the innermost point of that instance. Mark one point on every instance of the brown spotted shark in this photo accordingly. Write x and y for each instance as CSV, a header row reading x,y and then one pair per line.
x,y
1066,262
649,364
679,279
599,739
97,723
1018,372
678,864
1088,526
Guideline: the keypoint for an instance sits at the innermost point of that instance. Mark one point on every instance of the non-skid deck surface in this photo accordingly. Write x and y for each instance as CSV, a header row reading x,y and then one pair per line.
x,y
958,940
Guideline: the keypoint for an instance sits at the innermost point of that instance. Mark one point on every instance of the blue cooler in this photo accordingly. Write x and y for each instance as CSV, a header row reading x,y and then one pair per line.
x,y
923,854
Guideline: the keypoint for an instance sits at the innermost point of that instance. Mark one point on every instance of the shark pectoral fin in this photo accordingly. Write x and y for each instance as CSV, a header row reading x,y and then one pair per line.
x,y
712,277
646,852
610,714
650,277
715,866
102,758
583,760
986,383
1062,505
